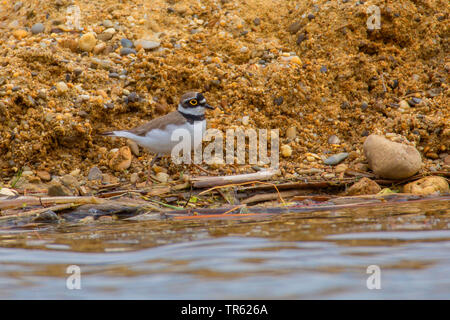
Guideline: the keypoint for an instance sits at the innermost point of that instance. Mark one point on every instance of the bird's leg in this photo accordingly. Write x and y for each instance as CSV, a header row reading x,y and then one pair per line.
x,y
155,158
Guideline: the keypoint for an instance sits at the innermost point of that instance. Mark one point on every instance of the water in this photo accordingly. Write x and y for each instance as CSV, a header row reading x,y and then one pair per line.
x,y
321,255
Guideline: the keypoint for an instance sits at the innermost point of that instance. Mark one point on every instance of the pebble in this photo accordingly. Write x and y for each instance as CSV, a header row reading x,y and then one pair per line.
x,y
391,160
127,51
126,43
99,47
37,28
427,185
335,159
20,34
257,21
107,34
87,42
323,69
295,27
363,186
46,216
286,150
107,23
162,177
134,177
291,132
403,106
62,87
245,120
301,37
95,174
57,190
44,175
5,192
341,168
146,44
333,140
121,159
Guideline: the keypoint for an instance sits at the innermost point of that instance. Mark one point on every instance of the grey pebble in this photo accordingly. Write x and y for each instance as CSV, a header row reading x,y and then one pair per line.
x,y
127,51
94,174
126,43
323,69
37,28
336,158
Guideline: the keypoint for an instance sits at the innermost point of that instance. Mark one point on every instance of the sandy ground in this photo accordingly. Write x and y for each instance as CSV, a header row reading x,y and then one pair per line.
x,y
309,65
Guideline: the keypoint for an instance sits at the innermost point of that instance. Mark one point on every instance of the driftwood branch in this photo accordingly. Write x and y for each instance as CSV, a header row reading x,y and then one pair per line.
x,y
206,182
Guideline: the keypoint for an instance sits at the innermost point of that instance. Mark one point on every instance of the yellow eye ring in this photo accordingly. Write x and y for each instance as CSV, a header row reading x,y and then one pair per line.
x,y
193,102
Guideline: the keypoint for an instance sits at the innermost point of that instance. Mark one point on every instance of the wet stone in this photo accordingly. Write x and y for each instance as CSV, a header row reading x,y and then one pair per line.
x,y
46,216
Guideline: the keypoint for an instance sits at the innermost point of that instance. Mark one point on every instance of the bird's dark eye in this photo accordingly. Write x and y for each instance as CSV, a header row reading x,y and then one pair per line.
x,y
193,102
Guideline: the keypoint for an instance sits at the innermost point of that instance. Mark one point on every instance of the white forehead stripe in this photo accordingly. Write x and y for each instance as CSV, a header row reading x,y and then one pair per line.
x,y
203,101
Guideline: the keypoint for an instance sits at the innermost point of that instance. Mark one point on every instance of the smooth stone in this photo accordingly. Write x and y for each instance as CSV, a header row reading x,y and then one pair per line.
x,y
126,43
99,47
61,87
162,177
291,132
107,23
286,150
44,175
6,192
127,51
146,44
121,159
336,158
363,186
134,177
87,42
37,28
95,174
427,185
57,190
391,160
333,140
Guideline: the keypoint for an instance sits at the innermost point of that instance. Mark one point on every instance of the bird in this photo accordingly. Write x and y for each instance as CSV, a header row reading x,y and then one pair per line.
x,y
156,135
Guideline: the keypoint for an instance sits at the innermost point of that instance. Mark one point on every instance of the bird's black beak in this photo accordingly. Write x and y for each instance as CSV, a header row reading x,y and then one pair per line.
x,y
209,107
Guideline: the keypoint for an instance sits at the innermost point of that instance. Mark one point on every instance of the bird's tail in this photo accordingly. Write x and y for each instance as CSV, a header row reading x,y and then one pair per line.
x,y
107,133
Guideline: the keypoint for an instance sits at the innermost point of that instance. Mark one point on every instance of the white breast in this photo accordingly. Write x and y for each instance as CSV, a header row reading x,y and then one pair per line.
x,y
162,141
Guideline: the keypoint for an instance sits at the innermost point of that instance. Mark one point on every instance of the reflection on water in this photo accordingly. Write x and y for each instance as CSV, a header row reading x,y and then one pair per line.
x,y
291,256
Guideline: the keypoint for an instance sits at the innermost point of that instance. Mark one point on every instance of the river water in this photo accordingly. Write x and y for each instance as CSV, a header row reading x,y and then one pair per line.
x,y
323,255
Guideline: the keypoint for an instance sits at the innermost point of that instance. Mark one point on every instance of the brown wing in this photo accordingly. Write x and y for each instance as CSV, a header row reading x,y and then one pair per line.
x,y
159,123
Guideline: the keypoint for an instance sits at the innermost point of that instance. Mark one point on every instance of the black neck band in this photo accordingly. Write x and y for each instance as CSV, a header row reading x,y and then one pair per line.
x,y
192,117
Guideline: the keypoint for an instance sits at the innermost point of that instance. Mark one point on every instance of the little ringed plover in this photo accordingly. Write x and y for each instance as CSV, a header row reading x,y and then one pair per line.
x,y
156,134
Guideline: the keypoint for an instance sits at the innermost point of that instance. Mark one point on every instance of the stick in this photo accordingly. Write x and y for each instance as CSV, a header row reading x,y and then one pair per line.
x,y
207,182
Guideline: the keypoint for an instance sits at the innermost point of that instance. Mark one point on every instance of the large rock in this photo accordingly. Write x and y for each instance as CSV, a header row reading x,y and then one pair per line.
x,y
363,186
391,160
427,185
